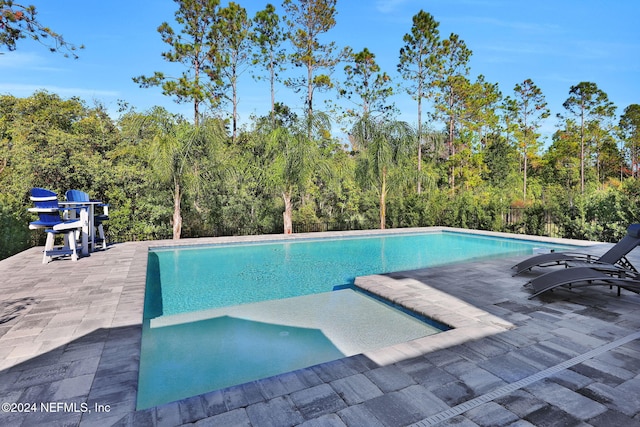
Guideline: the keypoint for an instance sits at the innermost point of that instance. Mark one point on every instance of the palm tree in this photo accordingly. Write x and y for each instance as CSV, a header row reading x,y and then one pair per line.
x,y
290,167
176,152
293,158
385,147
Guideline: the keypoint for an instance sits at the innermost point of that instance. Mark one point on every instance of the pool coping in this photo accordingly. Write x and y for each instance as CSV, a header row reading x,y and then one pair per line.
x,y
268,238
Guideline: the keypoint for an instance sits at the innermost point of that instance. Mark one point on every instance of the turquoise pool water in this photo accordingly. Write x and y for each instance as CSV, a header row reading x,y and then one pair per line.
x,y
204,277
216,316
192,353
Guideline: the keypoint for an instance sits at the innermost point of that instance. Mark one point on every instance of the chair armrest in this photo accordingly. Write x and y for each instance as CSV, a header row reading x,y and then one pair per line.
x,y
69,225
42,210
104,206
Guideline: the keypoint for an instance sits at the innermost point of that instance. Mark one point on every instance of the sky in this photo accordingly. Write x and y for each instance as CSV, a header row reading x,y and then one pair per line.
x,y
555,43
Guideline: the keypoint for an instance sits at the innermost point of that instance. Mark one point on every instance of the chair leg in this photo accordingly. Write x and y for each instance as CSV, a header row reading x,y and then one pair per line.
x,y
101,234
48,246
72,245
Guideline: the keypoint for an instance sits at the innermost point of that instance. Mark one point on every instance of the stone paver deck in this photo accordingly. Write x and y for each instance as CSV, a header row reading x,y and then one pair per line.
x,y
70,347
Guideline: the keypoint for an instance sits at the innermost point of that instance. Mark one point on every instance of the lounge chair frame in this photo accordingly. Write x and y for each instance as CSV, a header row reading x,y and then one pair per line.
x,y
616,256
574,277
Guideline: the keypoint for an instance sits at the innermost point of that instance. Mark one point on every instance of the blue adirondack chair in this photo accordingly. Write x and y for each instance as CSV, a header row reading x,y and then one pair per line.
x,y
98,219
46,206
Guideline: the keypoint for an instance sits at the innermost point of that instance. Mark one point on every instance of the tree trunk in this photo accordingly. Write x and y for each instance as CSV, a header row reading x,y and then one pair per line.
x,y
452,170
383,203
234,85
452,152
582,149
273,90
309,98
177,217
420,138
287,214
196,100
524,184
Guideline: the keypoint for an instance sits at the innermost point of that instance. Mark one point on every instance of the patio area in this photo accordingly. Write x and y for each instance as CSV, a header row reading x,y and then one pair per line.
x,y
70,346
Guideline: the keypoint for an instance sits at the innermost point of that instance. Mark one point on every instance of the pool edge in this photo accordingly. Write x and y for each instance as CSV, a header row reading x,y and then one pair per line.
x,y
464,328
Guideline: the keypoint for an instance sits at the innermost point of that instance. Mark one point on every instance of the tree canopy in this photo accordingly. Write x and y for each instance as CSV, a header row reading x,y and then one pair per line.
x,y
476,155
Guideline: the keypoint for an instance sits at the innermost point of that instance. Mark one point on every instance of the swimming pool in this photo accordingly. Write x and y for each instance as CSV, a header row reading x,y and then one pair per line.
x,y
204,277
221,315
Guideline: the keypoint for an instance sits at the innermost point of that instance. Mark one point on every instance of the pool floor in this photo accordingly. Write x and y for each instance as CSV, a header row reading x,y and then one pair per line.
x,y
212,349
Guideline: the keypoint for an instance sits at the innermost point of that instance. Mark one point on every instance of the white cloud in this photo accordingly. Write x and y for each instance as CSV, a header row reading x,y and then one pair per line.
x,y
18,60
25,61
386,6
22,90
520,26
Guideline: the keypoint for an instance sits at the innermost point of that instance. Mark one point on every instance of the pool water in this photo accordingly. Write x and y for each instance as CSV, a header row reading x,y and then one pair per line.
x,y
193,353
206,277
221,315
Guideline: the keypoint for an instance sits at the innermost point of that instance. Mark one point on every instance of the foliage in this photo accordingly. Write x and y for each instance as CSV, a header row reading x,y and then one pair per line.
x,y
418,66
18,21
268,37
194,47
137,162
232,53
479,164
630,134
528,109
589,106
366,86
307,21
385,148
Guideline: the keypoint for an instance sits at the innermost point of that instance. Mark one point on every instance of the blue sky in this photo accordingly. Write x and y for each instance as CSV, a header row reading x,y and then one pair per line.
x,y
557,44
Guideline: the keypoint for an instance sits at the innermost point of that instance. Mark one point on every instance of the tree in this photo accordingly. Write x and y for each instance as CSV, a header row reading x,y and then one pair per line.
x,y
608,158
478,113
630,133
308,20
292,159
529,109
268,37
175,153
451,83
501,159
195,48
418,65
476,120
18,21
365,81
587,103
233,52
562,159
386,146
46,141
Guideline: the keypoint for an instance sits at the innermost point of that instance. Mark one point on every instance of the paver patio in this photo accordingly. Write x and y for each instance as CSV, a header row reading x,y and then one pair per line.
x,y
70,344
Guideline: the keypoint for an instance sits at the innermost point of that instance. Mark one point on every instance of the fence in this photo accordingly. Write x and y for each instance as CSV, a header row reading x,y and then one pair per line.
x,y
531,221
514,220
